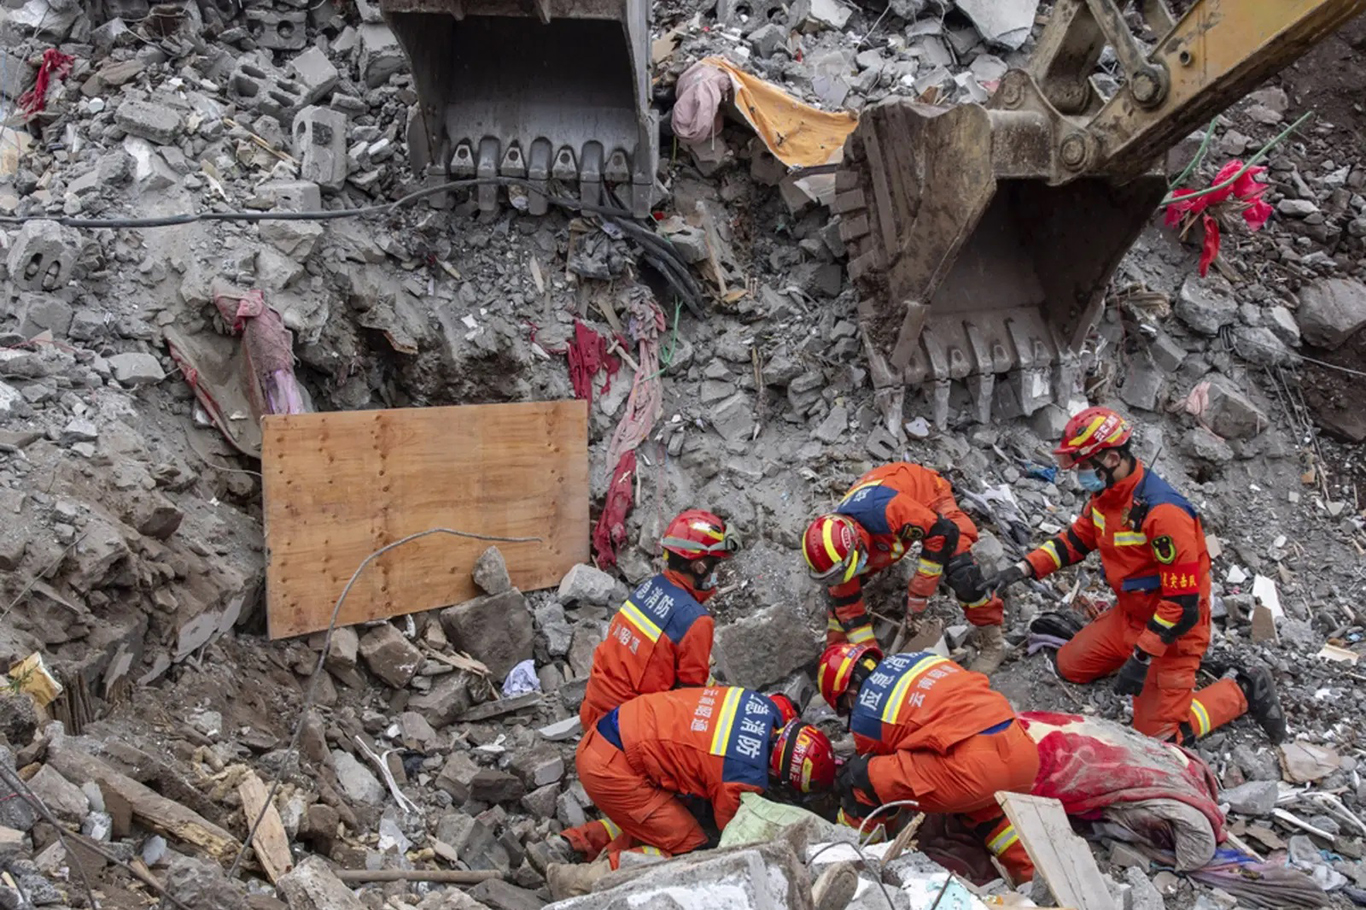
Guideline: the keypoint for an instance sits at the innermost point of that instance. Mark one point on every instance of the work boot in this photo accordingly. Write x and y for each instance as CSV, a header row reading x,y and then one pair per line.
x,y
991,650
1056,625
1263,703
567,880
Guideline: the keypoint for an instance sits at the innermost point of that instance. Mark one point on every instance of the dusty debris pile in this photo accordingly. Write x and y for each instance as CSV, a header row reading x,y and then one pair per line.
x,y
131,551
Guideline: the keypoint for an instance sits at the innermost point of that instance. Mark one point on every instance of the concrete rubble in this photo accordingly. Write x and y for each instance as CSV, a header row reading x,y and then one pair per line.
x,y
132,550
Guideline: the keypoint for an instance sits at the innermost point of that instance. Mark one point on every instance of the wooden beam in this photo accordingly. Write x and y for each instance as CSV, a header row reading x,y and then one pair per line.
x,y
340,485
1060,856
150,809
270,841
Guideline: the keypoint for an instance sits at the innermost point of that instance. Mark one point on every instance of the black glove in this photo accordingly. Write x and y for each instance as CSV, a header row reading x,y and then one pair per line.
x,y
857,796
1132,675
1008,576
941,540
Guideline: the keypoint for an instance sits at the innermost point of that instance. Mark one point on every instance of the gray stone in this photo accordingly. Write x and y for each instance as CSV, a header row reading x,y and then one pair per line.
x,y
1201,443
765,646
834,425
541,801
18,716
588,634
491,572
314,73
1260,345
1331,310
389,655
1143,894
1282,323
79,430
1166,353
554,628
159,123
456,776
380,54
1256,797
295,239
1143,385
136,368
201,883
590,585
538,766
562,730
61,796
473,841
356,780
38,313
292,195
767,40
497,894
447,699
1003,22
489,785
42,256
1296,208
312,885
1206,304
734,417
320,146
276,271
1256,764
1232,414
495,629
16,75
341,657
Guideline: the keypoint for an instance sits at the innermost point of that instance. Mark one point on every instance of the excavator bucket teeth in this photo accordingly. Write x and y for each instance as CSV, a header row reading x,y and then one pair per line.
x,y
976,272
548,94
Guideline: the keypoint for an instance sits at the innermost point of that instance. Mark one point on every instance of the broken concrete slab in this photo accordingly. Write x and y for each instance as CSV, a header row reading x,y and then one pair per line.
x,y
1331,311
1003,22
357,781
389,655
314,886
61,796
136,368
320,145
315,74
159,123
42,256
1256,797
495,629
1232,414
380,54
1206,305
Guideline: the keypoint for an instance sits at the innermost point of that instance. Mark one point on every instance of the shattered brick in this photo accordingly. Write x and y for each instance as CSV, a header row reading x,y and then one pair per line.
x,y
320,146
42,256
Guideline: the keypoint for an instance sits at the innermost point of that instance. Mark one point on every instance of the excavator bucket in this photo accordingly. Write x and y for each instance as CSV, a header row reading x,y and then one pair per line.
x,y
976,270
538,90
982,239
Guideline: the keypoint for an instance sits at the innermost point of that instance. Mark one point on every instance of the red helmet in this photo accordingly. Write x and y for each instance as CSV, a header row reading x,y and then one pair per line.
x,y
695,533
833,548
836,672
787,710
1092,430
803,758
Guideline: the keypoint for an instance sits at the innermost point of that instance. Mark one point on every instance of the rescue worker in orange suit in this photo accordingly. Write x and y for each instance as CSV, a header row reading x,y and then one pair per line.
x,y
1152,549
883,514
928,730
713,743
661,637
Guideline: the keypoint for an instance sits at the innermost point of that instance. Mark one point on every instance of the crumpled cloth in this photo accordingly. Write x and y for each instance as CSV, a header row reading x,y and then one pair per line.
x,y
797,134
1091,765
1037,642
587,354
522,679
269,347
609,534
645,324
54,63
1254,883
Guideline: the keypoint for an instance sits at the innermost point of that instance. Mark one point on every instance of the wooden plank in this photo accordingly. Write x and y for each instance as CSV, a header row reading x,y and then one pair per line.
x,y
148,808
270,841
1060,856
340,485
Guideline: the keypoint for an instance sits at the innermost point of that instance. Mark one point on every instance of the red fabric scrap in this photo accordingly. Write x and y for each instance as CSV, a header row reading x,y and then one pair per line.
x,y
587,355
270,351
54,62
609,534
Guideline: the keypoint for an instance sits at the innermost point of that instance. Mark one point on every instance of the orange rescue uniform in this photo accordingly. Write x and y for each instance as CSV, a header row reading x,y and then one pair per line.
x,y
940,735
1152,548
638,760
660,638
895,505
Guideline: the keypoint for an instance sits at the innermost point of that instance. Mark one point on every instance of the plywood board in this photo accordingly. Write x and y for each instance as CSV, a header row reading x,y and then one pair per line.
x,y
340,485
1059,855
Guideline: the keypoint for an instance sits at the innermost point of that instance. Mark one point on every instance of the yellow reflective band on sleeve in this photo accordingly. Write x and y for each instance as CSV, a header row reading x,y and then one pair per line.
x,y
646,626
725,720
1051,548
1003,841
1130,538
832,624
861,635
903,685
613,829
651,851
927,567
981,603
1097,519
1164,623
1201,717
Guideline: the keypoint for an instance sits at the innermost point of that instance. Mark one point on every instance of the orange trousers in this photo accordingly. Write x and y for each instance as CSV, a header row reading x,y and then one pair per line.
x,y
964,782
1169,707
645,813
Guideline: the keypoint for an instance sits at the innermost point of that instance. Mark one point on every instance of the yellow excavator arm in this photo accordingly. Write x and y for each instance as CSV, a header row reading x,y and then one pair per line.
x,y
982,238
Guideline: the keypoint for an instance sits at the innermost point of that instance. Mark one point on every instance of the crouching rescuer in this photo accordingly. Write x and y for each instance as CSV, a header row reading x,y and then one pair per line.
x,y
644,763
888,510
1152,549
929,731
